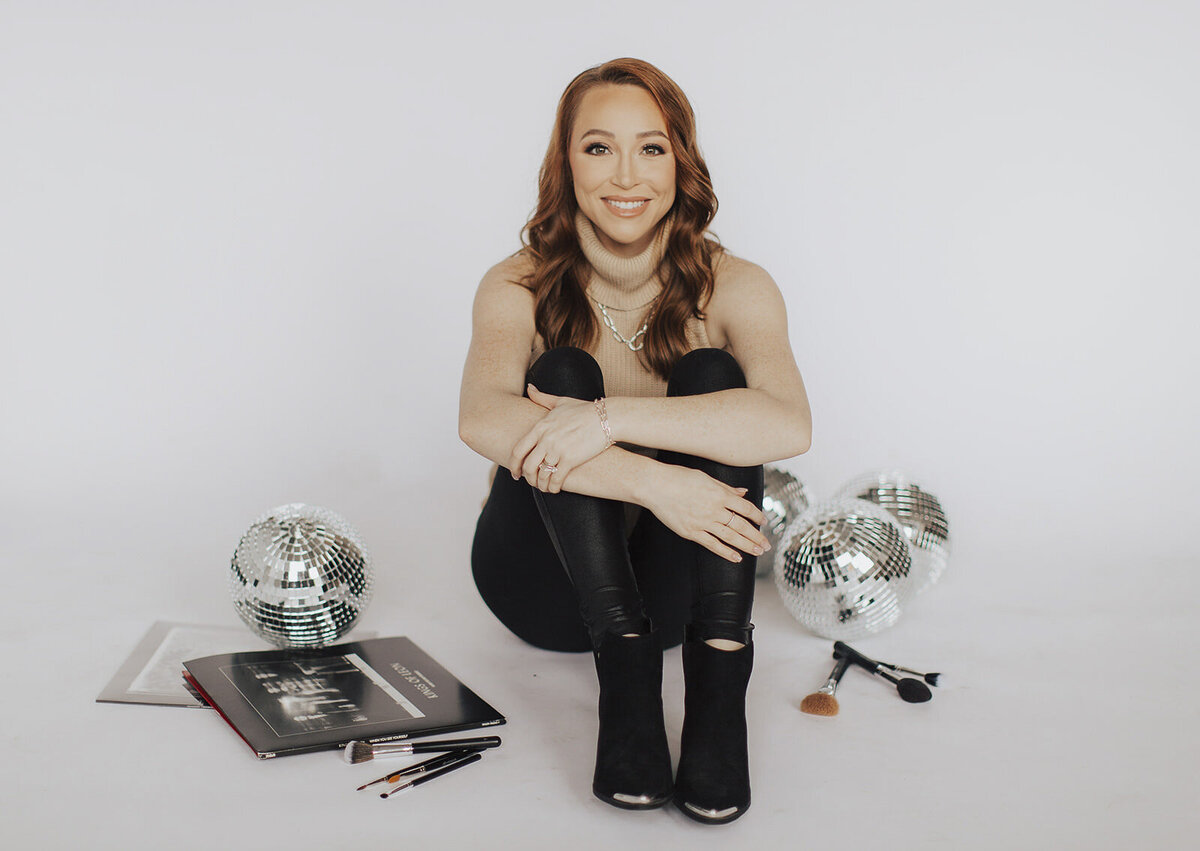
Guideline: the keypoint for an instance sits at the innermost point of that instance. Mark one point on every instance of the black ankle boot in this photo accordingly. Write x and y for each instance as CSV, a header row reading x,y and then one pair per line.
x,y
633,764
713,781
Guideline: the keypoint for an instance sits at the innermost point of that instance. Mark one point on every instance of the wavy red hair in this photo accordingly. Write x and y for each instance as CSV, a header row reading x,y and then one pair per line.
x,y
560,273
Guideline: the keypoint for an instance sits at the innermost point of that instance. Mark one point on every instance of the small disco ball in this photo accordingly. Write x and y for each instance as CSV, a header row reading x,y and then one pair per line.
x,y
784,499
300,576
919,514
844,568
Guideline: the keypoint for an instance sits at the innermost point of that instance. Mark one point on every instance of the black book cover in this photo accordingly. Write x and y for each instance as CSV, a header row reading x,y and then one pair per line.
x,y
298,700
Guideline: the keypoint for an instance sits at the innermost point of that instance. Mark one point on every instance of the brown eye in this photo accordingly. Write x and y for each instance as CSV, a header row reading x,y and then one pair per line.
x,y
654,150
595,148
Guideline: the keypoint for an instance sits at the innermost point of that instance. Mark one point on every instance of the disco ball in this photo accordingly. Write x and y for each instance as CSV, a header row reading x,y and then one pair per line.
x,y
300,576
844,568
784,499
919,514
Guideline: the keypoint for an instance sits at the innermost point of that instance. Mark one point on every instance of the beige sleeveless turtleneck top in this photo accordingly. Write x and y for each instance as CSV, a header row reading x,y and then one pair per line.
x,y
627,287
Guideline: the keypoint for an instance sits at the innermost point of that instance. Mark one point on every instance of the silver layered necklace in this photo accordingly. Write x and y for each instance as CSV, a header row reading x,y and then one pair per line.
x,y
635,342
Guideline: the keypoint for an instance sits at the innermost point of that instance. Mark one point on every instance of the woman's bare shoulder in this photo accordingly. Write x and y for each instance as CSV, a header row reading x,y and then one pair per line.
x,y
735,279
747,309
503,299
729,267
513,269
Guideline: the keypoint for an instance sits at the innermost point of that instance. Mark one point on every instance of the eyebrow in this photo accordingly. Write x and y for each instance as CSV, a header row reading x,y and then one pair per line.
x,y
643,135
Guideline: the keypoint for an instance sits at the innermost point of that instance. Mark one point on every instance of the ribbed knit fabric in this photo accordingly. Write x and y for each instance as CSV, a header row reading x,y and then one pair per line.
x,y
627,287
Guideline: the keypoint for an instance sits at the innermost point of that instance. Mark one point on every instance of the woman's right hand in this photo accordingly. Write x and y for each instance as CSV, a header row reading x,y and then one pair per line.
x,y
699,508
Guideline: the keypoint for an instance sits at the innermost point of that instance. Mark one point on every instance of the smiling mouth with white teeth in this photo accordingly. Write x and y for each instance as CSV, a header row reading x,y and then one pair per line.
x,y
626,205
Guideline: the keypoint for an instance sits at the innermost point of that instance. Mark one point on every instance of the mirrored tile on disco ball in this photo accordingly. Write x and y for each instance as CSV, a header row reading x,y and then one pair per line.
x,y
784,499
919,513
844,570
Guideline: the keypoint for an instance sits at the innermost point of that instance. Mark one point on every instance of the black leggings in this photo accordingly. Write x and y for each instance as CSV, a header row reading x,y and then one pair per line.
x,y
611,583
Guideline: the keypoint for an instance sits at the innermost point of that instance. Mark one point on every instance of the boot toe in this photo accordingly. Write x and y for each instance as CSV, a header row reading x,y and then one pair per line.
x,y
710,815
631,801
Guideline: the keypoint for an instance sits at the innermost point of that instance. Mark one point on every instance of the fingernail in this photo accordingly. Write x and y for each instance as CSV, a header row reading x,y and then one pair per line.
x,y
737,558
758,551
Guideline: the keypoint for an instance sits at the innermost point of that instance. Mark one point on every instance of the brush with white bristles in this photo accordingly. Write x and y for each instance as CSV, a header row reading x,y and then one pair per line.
x,y
822,701
357,752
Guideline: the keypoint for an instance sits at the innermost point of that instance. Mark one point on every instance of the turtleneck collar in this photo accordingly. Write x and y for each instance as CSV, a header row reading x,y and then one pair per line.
x,y
624,283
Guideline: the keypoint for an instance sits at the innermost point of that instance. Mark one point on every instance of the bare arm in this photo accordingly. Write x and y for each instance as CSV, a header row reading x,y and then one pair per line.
x,y
768,421
494,416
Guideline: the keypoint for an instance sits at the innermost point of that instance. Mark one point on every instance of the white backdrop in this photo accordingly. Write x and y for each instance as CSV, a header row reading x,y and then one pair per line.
x,y
239,243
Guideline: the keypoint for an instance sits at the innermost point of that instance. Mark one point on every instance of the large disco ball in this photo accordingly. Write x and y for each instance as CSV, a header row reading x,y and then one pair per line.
x,y
784,499
300,576
919,514
843,571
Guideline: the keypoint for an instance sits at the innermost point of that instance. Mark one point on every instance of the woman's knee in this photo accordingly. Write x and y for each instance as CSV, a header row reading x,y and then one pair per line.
x,y
705,371
567,371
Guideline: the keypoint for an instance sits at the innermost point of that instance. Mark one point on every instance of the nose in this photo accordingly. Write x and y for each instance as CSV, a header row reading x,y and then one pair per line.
x,y
626,175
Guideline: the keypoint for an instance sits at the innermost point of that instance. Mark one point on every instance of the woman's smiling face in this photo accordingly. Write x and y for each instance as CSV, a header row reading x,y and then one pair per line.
x,y
622,166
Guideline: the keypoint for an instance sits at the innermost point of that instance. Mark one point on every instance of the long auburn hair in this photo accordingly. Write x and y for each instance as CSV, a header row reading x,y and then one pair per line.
x,y
560,273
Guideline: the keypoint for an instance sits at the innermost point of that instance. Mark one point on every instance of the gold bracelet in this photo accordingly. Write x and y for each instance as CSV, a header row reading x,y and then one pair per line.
x,y
602,411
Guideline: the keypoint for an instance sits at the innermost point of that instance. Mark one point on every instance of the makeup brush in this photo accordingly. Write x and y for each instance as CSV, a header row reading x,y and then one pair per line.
x,y
932,679
822,701
357,752
422,767
911,691
474,756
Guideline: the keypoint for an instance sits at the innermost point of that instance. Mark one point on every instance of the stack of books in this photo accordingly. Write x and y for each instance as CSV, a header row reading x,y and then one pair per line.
x,y
293,701
289,701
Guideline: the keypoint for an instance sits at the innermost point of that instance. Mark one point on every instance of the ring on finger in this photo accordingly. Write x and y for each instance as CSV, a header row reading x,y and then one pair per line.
x,y
732,514
552,469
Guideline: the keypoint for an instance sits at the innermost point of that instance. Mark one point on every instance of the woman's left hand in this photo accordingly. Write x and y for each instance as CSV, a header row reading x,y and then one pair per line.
x,y
569,435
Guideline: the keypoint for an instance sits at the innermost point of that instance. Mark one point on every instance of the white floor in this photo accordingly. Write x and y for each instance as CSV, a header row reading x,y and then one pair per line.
x,y
1068,718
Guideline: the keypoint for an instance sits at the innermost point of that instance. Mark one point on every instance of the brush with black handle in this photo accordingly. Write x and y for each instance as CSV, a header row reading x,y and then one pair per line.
x,y
822,701
357,752
911,691
464,759
932,679
424,767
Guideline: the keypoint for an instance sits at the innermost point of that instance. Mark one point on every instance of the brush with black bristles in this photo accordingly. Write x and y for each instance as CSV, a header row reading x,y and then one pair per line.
x,y
357,752
911,691
822,701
